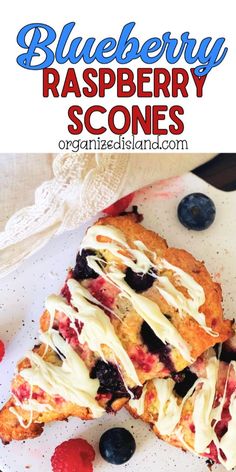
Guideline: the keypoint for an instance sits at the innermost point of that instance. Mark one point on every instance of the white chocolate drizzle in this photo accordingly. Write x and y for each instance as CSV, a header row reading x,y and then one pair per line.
x,y
139,404
70,380
176,298
203,407
138,261
97,328
170,406
205,417
146,308
30,405
227,443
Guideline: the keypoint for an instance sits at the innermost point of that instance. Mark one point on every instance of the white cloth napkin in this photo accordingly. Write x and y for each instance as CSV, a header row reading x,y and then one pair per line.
x,y
82,185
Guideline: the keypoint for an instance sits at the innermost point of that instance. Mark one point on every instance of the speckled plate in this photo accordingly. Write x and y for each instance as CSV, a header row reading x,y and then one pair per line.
x,y
22,295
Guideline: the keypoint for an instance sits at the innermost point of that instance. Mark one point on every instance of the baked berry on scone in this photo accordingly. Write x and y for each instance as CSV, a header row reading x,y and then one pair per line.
x,y
196,408
162,303
131,310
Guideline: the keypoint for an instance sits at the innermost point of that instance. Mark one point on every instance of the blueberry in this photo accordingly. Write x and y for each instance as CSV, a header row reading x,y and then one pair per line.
x,y
196,211
210,463
109,378
156,346
117,445
82,270
184,381
138,281
137,392
226,352
227,356
149,338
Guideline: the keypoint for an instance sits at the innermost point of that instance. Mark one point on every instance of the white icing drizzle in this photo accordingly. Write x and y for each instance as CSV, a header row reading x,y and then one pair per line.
x,y
217,411
139,262
22,422
70,380
65,379
195,290
34,405
203,404
146,308
176,298
97,330
31,405
227,443
205,417
180,436
139,404
169,407
24,405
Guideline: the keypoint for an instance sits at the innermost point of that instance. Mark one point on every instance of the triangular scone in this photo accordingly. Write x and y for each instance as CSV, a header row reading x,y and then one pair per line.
x,y
131,310
196,410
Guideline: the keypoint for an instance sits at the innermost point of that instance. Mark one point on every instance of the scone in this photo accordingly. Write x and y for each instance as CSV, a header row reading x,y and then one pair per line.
x,y
131,310
196,409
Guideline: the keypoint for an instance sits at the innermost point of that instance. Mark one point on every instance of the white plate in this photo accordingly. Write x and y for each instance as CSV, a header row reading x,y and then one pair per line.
x,y
22,300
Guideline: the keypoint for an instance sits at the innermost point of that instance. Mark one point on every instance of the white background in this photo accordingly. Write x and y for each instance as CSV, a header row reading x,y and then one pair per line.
x,y
31,123
22,295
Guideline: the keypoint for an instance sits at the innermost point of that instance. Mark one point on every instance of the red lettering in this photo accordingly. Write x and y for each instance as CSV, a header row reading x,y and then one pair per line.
x,y
141,80
71,84
139,119
103,83
199,82
87,119
72,113
161,86
111,120
173,115
47,73
179,86
127,82
156,117
93,90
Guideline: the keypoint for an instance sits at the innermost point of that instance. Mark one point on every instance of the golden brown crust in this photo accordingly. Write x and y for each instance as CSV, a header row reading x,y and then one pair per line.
x,y
183,435
190,330
134,231
129,332
10,428
150,416
195,336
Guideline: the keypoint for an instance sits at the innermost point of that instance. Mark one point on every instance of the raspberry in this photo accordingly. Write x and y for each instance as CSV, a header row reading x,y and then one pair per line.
x,y
2,350
143,360
119,206
68,332
74,455
103,291
22,392
109,378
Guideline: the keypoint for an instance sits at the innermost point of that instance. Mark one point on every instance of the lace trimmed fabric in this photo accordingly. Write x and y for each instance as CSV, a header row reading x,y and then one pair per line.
x,y
83,185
